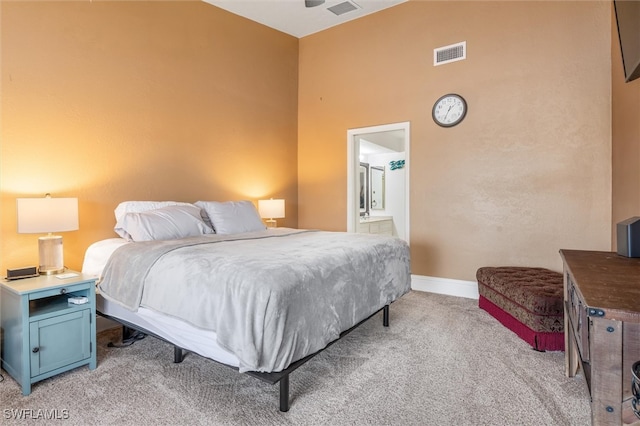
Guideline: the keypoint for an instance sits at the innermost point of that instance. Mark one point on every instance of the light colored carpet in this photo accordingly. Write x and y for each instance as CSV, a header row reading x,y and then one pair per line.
x,y
442,361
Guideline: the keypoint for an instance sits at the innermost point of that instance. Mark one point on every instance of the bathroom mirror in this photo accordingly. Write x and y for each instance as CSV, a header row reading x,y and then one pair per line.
x,y
377,187
364,189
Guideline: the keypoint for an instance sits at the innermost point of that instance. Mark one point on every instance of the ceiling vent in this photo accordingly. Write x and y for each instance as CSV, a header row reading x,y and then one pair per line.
x,y
451,53
342,8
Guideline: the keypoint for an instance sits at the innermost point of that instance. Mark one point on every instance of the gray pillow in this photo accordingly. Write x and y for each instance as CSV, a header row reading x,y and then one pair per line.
x,y
232,217
165,223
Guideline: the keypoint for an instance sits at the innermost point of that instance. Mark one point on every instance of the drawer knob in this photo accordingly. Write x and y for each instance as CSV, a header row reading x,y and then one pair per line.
x,y
63,290
35,350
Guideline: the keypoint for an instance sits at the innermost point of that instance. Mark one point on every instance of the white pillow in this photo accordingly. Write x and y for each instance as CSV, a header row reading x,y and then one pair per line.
x,y
143,206
165,223
232,217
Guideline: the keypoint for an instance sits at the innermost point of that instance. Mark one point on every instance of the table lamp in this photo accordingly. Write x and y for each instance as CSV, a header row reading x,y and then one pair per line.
x,y
48,215
271,209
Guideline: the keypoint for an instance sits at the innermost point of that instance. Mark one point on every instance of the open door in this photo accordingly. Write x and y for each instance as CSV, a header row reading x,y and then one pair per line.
x,y
387,146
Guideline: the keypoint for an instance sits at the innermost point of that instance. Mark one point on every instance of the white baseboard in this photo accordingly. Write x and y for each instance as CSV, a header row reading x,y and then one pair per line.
x,y
448,286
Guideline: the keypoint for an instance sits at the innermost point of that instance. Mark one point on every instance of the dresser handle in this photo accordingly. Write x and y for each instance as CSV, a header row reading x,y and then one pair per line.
x,y
63,290
35,350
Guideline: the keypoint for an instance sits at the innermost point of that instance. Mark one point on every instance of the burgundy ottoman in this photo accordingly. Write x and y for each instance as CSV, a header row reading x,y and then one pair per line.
x,y
528,301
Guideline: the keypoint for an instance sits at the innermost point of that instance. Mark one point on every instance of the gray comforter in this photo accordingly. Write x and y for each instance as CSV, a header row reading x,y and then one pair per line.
x,y
272,297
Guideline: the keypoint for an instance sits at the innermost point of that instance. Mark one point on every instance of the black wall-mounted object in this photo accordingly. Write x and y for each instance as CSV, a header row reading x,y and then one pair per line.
x,y
628,23
628,235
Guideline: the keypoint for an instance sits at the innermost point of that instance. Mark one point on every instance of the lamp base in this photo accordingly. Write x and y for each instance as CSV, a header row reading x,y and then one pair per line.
x,y
271,223
51,257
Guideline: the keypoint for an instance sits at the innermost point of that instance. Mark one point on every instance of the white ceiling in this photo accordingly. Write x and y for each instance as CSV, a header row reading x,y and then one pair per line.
x,y
292,17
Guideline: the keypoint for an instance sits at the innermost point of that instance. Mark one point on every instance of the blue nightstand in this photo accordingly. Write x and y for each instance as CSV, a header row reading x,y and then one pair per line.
x,y
43,333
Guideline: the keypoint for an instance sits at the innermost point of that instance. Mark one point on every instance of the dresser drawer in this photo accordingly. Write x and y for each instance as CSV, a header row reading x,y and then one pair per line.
x,y
578,318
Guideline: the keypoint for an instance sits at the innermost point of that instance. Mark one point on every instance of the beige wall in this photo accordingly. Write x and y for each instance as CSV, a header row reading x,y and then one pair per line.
x,y
625,110
528,172
114,101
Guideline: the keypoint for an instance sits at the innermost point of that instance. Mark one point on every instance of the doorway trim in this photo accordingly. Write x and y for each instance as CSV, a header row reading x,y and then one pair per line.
x,y
353,163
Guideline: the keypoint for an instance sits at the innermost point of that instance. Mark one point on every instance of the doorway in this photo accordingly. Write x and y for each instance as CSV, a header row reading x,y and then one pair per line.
x,y
385,151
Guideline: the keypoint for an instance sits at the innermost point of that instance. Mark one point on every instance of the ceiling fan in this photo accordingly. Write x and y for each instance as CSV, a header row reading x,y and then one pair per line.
x,y
337,9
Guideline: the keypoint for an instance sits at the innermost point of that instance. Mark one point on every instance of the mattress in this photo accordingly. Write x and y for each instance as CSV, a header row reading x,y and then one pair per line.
x,y
181,333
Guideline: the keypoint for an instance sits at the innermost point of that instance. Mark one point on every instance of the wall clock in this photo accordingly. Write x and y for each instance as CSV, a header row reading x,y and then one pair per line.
x,y
449,110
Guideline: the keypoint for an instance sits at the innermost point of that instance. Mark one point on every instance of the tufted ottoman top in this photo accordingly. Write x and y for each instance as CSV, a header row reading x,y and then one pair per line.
x,y
539,290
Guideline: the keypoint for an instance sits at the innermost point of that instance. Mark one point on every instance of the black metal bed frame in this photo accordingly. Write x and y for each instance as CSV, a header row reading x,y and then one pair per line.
x,y
281,377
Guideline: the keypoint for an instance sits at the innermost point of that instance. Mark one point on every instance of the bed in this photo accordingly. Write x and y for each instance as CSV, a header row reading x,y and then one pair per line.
x,y
210,278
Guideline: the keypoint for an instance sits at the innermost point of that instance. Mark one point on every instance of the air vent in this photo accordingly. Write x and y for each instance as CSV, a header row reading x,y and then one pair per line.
x,y
451,53
342,8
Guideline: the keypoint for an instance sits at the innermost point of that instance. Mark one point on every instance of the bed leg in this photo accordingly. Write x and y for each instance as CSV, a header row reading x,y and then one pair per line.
x,y
127,333
129,337
178,356
385,316
284,393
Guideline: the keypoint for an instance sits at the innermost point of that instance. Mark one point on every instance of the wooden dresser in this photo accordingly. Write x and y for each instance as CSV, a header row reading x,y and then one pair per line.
x,y
602,329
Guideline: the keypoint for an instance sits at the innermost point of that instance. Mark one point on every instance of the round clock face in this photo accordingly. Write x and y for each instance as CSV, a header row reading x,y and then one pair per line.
x,y
449,110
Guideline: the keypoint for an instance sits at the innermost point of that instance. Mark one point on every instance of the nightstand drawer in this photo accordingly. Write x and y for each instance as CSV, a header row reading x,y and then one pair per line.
x,y
59,291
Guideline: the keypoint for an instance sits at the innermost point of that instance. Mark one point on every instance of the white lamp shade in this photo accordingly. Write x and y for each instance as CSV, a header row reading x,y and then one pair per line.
x,y
272,209
43,215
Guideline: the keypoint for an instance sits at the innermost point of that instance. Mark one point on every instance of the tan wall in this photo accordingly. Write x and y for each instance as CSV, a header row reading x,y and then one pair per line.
x,y
528,172
625,110
114,101
163,100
